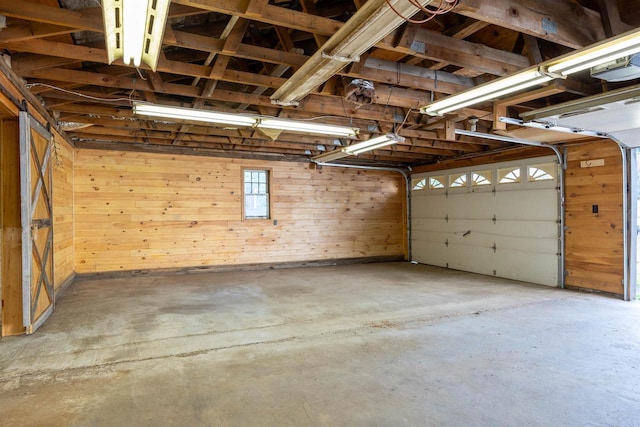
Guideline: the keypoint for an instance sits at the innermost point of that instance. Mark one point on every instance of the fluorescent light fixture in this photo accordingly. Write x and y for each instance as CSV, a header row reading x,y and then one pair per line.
x,y
373,144
624,45
370,24
359,148
306,127
209,116
134,30
330,156
553,126
487,91
192,114
600,53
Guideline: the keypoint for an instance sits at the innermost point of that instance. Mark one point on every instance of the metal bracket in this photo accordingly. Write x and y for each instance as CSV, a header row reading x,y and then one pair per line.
x,y
285,103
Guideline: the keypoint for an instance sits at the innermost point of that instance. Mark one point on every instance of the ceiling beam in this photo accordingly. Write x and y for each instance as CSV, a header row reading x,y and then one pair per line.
x,y
564,22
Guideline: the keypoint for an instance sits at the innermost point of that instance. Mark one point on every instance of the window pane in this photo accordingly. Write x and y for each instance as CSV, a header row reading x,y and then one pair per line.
x,y
255,188
247,176
256,206
419,184
458,180
254,176
263,189
481,177
247,188
509,175
436,182
543,172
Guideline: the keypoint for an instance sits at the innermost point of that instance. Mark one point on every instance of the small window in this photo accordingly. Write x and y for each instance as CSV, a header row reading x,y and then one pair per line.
x,y
481,178
509,175
419,184
544,172
436,182
256,194
458,180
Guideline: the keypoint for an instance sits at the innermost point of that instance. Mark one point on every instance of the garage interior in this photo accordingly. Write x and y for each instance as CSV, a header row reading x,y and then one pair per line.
x,y
318,212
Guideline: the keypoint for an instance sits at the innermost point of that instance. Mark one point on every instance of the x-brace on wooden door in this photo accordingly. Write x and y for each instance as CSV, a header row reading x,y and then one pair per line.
x,y
37,222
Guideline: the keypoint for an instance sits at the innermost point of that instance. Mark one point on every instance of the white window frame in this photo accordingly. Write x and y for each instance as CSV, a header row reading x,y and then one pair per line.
x,y
266,193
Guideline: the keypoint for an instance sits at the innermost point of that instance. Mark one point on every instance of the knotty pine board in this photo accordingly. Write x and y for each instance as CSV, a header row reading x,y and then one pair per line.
x,y
11,229
145,210
594,242
62,210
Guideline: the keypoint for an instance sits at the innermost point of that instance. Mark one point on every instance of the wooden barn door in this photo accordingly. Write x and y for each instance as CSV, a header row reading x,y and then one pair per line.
x,y
37,222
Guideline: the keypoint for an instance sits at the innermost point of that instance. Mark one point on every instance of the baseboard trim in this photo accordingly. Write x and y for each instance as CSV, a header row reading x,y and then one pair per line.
x,y
237,267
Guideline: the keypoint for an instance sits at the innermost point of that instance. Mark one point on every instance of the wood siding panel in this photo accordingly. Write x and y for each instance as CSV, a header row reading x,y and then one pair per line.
x,y
594,242
145,211
11,228
62,211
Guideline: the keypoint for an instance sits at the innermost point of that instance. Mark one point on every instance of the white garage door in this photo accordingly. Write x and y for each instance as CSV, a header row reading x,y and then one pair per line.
x,y
500,220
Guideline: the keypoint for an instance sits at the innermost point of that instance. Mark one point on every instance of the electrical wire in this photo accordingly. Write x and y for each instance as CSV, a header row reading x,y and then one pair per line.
x,y
71,92
443,7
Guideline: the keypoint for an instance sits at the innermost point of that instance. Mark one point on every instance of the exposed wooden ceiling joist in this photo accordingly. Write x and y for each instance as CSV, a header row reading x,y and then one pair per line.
x,y
232,55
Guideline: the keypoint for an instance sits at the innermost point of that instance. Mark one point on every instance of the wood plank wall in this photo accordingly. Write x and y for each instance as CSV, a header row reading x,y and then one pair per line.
x,y
146,211
63,211
11,277
594,241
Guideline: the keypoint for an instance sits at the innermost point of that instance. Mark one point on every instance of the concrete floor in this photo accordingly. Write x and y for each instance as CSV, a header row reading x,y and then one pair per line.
x,y
371,345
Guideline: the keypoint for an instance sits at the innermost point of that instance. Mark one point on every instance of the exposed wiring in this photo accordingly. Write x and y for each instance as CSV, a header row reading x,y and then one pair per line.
x,y
406,116
71,92
443,7
140,74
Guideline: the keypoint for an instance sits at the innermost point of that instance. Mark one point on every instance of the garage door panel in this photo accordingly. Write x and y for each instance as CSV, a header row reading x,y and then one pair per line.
x,y
432,235
425,206
532,245
432,254
527,229
510,230
525,266
471,258
528,205
482,205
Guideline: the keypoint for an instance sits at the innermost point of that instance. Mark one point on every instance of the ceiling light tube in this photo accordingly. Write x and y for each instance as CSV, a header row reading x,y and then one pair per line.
x,y
373,144
306,127
134,30
608,50
601,60
330,156
208,116
519,81
181,113
465,103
